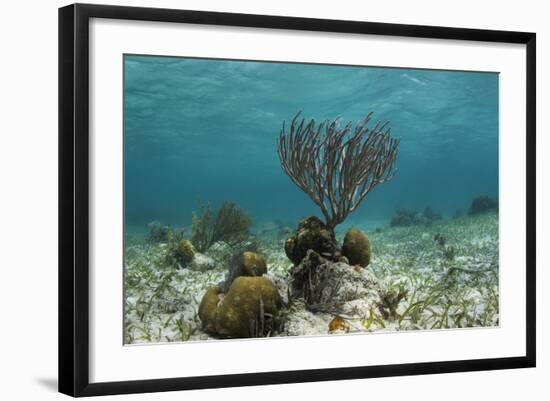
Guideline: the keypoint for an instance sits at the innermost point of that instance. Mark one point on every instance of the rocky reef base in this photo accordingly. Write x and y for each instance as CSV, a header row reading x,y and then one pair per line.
x,y
419,277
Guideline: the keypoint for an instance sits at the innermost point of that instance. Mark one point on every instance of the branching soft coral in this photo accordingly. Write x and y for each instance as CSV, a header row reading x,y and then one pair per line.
x,y
337,166
230,224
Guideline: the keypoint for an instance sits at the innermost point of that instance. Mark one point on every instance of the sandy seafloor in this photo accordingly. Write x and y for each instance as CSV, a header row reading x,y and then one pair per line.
x,y
443,291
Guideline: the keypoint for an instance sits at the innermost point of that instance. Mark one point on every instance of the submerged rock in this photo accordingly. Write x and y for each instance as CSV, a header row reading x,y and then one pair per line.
x,y
326,286
301,322
356,248
301,273
312,234
249,309
343,259
201,262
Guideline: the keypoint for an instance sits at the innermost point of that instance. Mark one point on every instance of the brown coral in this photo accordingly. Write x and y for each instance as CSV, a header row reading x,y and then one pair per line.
x,y
249,309
208,308
312,234
253,264
250,264
184,251
357,248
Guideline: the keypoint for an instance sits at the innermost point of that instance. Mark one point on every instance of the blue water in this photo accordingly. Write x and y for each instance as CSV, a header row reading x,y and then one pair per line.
x,y
199,131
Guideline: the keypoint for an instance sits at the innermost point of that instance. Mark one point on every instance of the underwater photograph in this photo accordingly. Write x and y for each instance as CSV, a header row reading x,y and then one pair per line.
x,y
276,199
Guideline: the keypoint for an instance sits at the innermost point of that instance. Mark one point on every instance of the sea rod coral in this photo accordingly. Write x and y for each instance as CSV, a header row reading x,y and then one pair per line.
x,y
229,224
337,166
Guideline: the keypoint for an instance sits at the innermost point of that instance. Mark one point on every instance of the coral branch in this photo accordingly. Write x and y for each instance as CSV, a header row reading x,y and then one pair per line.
x,y
337,167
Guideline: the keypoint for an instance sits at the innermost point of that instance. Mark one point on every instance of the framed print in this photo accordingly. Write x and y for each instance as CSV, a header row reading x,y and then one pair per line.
x,y
250,199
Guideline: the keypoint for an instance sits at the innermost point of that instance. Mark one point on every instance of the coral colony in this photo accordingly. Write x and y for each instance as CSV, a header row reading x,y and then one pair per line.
x,y
337,167
218,279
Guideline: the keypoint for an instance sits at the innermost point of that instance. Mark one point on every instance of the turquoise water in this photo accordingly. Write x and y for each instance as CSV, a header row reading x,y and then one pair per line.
x,y
204,131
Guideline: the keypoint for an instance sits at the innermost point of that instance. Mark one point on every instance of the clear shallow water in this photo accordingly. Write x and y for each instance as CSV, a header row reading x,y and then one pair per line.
x,y
199,131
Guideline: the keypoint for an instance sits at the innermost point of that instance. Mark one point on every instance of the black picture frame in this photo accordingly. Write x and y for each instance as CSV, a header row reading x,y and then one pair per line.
x,y
74,198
